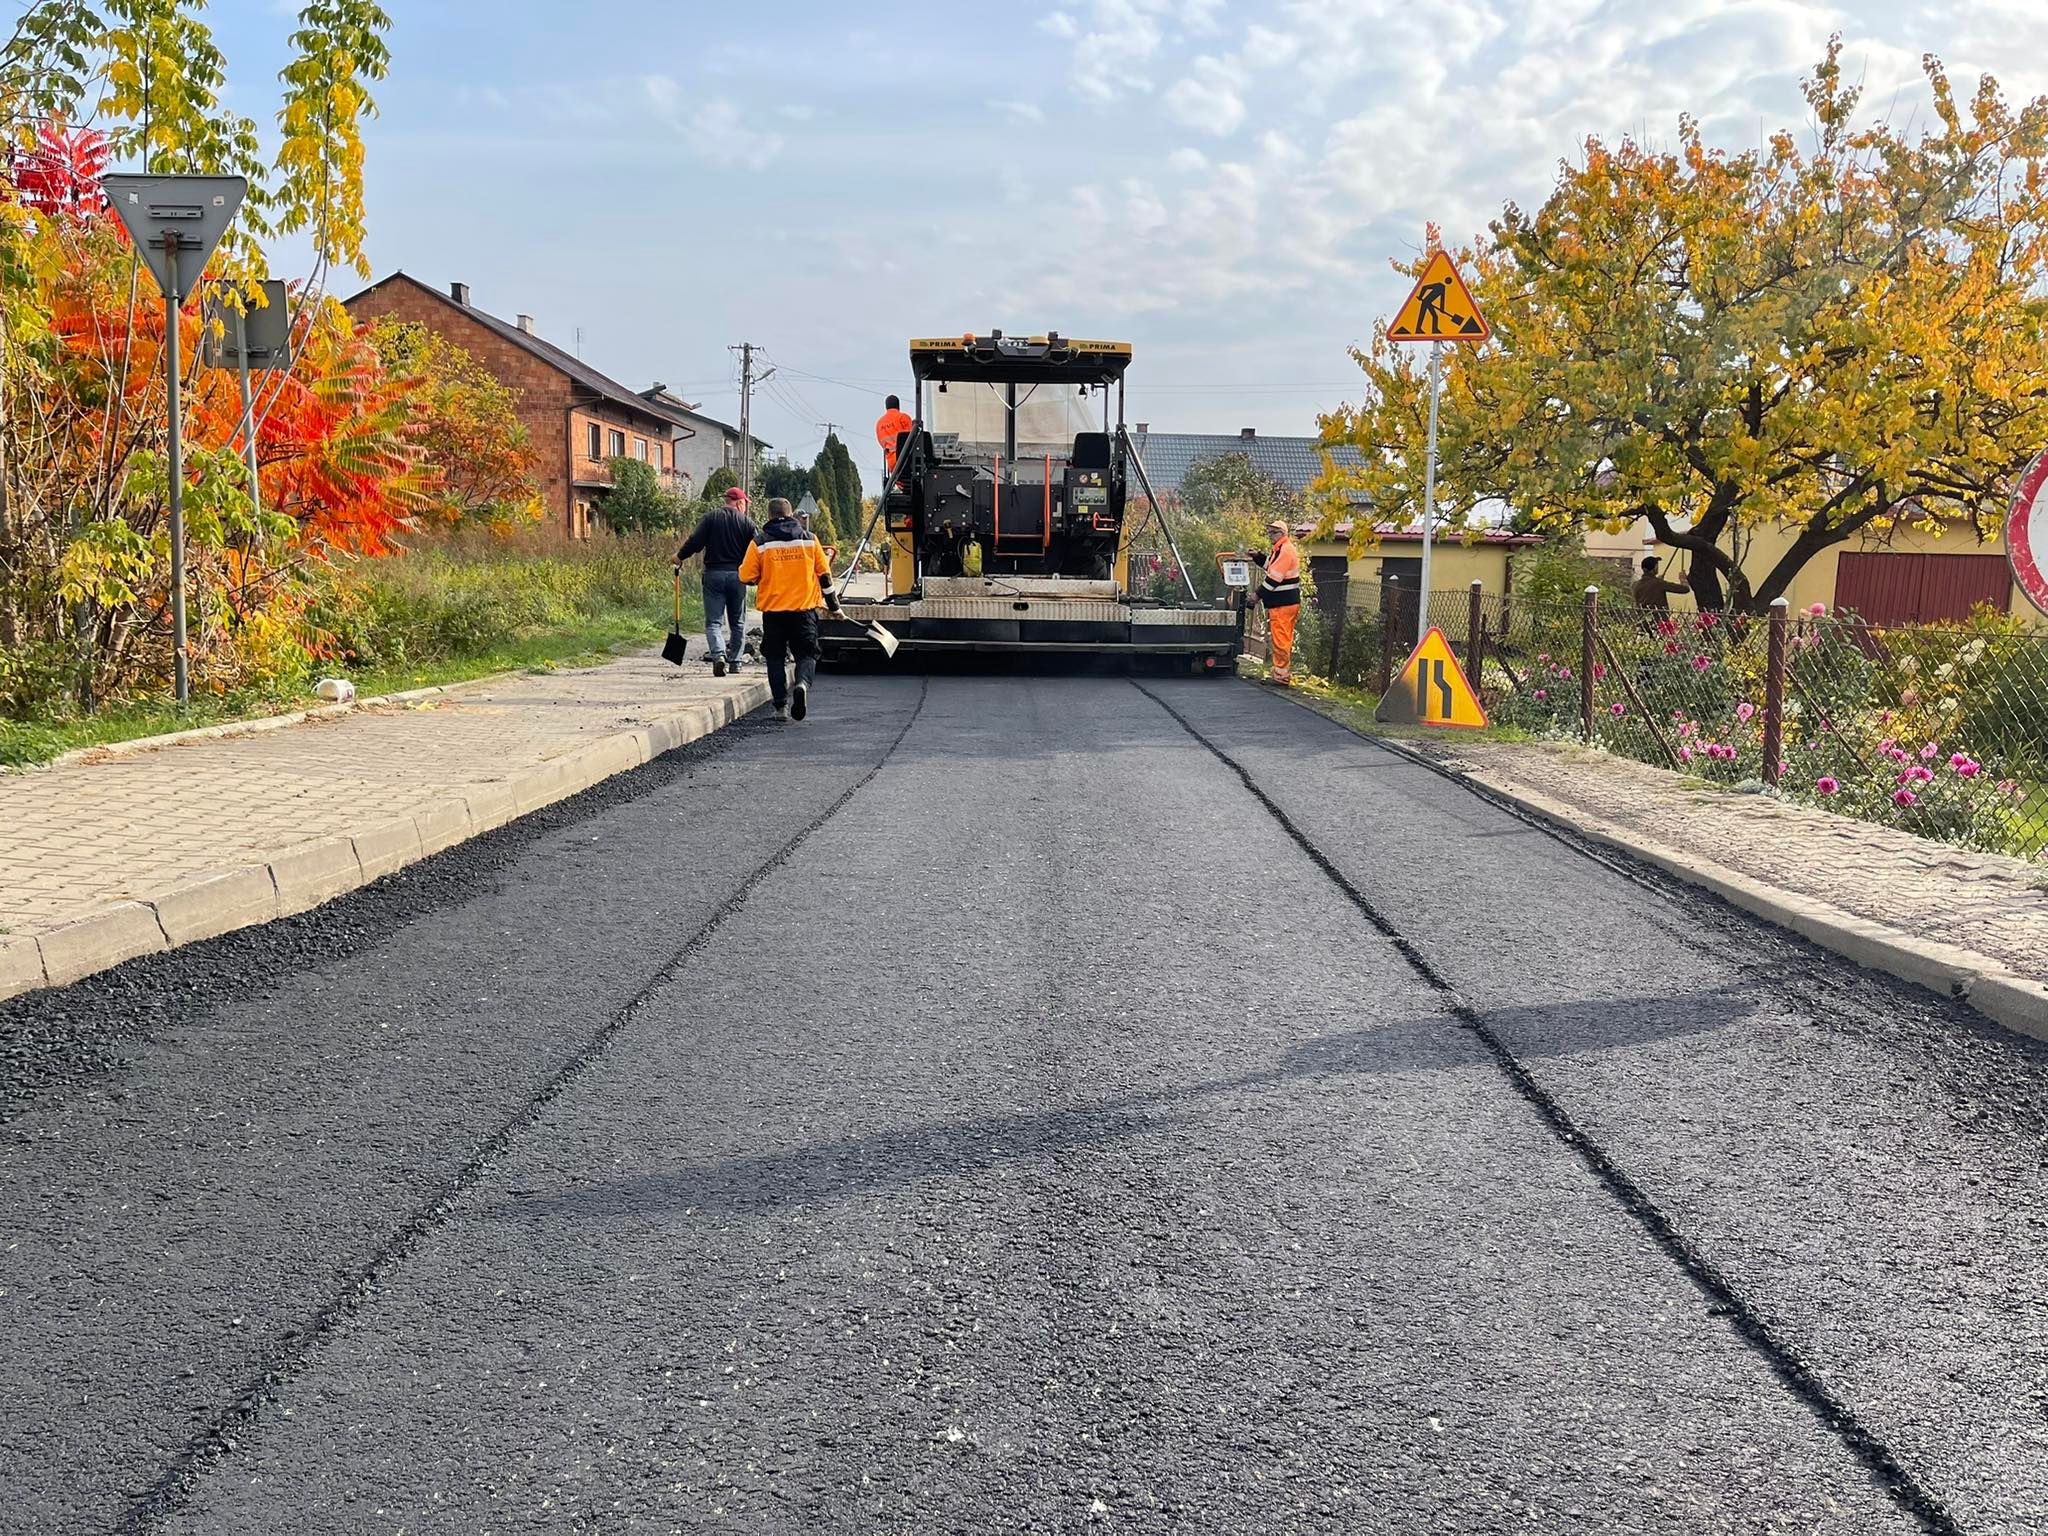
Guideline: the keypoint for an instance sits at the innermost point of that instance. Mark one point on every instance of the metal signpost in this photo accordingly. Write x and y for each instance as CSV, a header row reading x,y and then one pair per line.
x,y
246,339
175,222
2026,534
1440,308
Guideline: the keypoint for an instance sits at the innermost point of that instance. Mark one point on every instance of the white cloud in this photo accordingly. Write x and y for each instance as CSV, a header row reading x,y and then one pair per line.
x,y
798,111
1114,48
1208,98
1060,25
1189,162
1024,111
714,129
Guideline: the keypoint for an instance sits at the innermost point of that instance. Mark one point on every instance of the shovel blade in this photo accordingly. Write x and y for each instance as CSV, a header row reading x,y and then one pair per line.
x,y
882,637
674,648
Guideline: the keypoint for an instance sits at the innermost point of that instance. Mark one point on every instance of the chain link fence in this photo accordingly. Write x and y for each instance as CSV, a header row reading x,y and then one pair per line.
x,y
1941,730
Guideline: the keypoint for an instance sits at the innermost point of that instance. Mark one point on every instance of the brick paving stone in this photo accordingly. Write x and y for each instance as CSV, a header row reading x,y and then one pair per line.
x,y
83,836
1994,906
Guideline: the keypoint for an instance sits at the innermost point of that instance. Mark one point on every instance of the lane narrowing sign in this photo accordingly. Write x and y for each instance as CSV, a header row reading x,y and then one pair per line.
x,y
1432,689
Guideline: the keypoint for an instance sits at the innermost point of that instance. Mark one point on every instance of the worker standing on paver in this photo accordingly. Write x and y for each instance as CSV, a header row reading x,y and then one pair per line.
x,y
1280,591
891,425
724,534
793,579
1652,590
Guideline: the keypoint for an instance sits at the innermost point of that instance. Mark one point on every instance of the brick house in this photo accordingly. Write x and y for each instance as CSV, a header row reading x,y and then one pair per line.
x,y
579,419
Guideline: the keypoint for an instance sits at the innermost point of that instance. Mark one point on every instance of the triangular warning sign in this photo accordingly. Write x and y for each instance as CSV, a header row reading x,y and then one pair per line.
x,y
1440,309
1432,689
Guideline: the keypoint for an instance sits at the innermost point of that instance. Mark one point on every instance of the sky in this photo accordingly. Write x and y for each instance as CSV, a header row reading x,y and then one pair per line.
x,y
1223,183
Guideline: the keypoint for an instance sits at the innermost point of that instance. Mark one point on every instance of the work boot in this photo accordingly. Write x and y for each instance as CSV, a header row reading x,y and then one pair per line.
x,y
781,710
800,701
718,666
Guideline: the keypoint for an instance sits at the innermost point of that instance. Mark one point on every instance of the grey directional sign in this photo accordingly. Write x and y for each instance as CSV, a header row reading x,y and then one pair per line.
x,y
261,337
175,221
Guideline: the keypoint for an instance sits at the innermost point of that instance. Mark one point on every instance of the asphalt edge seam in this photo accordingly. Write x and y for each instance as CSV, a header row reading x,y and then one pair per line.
x,y
1836,1416
283,1361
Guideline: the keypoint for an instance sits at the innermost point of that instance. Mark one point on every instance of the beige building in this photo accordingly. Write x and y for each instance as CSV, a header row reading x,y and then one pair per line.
x,y
1905,576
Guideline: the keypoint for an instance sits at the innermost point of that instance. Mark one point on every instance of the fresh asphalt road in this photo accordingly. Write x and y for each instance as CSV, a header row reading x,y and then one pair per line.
x,y
1019,1104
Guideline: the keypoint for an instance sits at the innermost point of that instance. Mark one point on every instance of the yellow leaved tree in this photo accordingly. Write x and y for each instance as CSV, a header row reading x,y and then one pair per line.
x,y
1840,338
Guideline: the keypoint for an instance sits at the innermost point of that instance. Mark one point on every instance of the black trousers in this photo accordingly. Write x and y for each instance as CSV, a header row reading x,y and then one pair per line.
x,y
784,635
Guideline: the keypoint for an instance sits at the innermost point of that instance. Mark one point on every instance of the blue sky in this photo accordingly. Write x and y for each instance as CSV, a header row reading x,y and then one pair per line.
x,y
1221,182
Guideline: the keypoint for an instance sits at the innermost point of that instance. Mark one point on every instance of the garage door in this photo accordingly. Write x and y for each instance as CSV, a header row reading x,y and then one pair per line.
x,y
1920,589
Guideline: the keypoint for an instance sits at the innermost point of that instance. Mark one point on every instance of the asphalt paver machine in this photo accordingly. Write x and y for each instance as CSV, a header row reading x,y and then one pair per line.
x,y
1006,524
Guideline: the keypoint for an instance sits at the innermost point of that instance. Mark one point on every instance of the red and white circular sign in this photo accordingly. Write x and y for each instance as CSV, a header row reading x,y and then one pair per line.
x,y
2026,534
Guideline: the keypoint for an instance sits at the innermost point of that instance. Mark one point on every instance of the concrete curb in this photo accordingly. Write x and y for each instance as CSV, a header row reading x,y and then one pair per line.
x,y
2017,1002
305,876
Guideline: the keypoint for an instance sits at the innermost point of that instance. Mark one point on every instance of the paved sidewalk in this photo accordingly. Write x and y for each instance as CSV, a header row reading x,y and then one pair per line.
x,y
1969,923
124,854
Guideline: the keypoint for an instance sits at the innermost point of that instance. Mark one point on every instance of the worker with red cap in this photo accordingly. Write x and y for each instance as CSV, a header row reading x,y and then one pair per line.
x,y
724,534
893,423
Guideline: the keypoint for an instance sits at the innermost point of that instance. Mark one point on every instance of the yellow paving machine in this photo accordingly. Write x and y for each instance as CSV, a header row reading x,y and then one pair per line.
x,y
1005,524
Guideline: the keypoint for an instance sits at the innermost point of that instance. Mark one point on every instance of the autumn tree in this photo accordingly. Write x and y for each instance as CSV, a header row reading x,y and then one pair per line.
x,y
1835,340
477,456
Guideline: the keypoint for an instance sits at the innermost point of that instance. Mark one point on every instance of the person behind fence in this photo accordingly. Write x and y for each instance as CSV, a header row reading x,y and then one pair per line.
x,y
793,579
1652,590
1280,591
724,534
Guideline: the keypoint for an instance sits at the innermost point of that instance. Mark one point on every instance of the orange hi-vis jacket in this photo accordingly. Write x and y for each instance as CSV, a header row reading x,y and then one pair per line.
x,y
892,426
1282,586
787,566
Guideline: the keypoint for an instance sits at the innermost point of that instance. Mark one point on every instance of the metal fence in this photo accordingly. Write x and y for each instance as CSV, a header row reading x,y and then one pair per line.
x,y
1941,730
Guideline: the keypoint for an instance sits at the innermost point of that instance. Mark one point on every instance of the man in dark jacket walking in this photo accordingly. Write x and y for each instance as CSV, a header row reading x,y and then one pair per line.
x,y
725,535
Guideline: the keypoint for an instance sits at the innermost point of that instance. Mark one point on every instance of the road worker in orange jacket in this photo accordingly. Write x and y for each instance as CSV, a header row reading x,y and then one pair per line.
x,y
893,423
1280,591
786,566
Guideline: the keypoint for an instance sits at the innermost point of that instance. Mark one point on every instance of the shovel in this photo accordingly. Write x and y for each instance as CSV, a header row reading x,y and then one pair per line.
x,y
874,630
675,647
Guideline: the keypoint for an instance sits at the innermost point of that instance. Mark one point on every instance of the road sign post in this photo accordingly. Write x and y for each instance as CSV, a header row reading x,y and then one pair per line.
x,y
261,340
1440,308
2026,534
175,222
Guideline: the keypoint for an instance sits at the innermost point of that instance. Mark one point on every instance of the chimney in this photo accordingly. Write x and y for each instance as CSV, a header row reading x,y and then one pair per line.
x,y
526,325
1144,427
459,292
1247,433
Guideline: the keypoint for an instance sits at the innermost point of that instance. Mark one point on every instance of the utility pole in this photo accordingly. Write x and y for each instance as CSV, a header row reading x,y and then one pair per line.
x,y
746,350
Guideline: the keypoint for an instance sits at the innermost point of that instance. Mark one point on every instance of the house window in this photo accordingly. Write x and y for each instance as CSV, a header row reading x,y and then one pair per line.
x,y
725,444
591,440
617,443
640,449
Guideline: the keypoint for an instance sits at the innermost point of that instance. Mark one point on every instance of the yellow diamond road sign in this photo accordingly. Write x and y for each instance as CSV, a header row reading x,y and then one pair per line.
x,y
1440,309
1432,689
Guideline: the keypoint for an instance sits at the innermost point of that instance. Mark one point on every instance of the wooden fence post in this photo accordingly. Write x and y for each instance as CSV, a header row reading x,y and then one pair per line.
x,y
1390,609
1588,631
1774,690
1475,637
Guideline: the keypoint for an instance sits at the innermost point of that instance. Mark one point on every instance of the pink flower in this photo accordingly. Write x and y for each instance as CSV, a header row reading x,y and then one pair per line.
x,y
1921,775
1666,627
1887,744
1691,727
1541,693
1929,752
1818,610
1563,672
1540,655
1615,709
1957,759
2008,786
1825,784
1909,698
1970,770
1699,663
1904,797
1670,647
1782,766
1599,670
1742,711
1684,753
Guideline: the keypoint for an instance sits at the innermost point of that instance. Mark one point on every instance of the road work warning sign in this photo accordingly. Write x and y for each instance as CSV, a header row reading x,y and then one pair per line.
x,y
1432,690
1441,308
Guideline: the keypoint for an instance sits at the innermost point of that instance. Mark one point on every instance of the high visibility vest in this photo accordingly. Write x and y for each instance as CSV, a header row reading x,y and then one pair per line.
x,y
892,426
1281,587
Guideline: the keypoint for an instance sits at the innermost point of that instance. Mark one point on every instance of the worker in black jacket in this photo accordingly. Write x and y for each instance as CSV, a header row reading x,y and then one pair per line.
x,y
725,535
